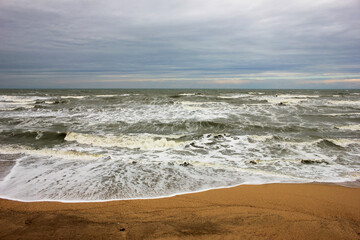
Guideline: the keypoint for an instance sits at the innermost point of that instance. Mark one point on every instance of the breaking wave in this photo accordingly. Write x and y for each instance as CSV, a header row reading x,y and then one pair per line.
x,y
142,142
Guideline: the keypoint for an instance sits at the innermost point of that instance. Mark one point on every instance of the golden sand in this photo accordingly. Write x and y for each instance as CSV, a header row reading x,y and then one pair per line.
x,y
272,211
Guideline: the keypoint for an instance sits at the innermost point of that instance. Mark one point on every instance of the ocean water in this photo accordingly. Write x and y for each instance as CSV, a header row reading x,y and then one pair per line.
x,y
95,145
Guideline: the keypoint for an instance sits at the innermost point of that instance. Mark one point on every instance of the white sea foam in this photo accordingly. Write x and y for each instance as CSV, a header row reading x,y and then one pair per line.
x,y
127,175
165,113
143,142
191,103
64,180
106,96
202,103
344,102
234,96
303,143
204,106
290,99
75,97
167,136
261,138
344,142
341,114
6,108
297,96
68,154
286,100
128,94
339,141
8,102
355,127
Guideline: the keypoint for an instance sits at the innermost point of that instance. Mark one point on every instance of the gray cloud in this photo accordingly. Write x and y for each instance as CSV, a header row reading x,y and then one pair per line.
x,y
74,43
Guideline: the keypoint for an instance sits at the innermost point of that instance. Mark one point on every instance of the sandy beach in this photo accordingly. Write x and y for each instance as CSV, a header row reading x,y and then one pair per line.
x,y
272,211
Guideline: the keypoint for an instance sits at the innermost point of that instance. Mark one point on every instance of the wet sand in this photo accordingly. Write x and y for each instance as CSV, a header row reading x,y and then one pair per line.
x,y
272,211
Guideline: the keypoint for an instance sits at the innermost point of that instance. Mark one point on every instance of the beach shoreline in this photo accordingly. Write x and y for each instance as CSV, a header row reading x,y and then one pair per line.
x,y
269,211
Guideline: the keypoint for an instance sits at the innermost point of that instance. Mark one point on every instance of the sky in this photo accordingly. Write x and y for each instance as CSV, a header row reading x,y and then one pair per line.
x,y
180,44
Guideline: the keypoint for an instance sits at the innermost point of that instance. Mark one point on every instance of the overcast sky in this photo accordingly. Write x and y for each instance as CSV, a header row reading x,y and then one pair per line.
x,y
180,44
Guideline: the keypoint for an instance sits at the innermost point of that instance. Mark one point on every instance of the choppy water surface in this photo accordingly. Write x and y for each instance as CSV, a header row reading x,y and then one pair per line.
x,y
92,145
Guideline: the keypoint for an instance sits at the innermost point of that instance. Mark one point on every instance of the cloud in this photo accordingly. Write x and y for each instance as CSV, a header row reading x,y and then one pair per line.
x,y
353,83
230,81
172,40
332,81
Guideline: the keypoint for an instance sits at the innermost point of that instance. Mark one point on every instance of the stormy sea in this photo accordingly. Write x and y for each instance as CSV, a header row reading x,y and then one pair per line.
x,y
97,145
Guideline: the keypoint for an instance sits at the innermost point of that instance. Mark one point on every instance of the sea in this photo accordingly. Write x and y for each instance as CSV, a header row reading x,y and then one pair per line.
x,y
98,145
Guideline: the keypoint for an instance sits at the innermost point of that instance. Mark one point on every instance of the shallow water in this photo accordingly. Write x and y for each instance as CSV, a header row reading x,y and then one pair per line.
x,y
92,145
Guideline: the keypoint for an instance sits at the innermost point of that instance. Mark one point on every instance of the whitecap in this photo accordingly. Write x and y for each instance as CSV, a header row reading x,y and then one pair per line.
x,y
344,102
143,142
67,154
234,96
261,138
340,114
349,127
344,142
75,97
106,96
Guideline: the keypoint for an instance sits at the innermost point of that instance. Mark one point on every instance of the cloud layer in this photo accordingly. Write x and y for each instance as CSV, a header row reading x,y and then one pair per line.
x,y
196,43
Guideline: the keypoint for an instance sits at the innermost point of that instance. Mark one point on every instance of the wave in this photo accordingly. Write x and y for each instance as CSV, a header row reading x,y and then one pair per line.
x,y
349,127
290,99
235,96
340,114
297,96
284,128
199,127
202,103
32,137
115,95
142,142
344,102
75,97
328,142
10,102
67,154
342,142
16,106
261,138
21,99
106,96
